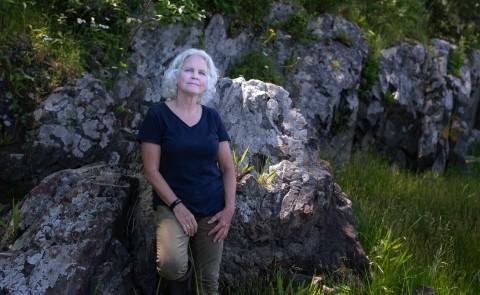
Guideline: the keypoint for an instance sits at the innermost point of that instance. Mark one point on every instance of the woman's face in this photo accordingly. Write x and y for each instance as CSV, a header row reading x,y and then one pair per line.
x,y
192,77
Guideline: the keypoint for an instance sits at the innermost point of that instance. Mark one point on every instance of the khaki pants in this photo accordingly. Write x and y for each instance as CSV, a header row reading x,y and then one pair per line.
x,y
172,251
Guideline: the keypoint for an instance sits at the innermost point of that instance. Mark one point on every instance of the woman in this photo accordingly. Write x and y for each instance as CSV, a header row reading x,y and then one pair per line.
x,y
187,160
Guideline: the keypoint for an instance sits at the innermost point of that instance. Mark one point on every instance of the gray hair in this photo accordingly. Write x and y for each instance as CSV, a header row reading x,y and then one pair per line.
x,y
169,82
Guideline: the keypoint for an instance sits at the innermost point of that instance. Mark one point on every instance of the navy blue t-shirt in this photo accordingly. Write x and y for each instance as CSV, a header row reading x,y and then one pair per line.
x,y
189,161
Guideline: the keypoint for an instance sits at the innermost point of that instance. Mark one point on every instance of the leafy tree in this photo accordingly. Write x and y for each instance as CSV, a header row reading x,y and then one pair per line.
x,y
451,19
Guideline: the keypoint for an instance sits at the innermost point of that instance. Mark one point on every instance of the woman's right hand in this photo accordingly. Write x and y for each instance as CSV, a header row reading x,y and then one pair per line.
x,y
186,219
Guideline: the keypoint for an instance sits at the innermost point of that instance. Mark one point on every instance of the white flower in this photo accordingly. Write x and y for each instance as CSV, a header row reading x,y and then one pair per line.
x,y
80,21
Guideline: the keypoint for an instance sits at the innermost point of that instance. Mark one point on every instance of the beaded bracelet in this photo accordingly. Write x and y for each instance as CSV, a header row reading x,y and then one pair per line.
x,y
175,203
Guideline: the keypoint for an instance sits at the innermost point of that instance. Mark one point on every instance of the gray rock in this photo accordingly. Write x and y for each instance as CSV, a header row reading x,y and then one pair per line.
x,y
302,220
428,112
323,82
260,116
225,51
68,235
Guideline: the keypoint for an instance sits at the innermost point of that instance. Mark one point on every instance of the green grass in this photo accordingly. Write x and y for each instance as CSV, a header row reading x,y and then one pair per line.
x,y
416,228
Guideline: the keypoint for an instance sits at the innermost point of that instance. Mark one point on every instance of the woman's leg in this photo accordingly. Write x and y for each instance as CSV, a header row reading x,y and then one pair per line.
x,y
207,257
171,245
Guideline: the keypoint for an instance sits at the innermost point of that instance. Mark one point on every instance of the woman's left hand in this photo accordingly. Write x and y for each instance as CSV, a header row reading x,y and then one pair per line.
x,y
224,218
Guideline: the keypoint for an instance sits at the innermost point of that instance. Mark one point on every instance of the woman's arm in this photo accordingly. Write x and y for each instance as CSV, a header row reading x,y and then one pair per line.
x,y
151,163
224,217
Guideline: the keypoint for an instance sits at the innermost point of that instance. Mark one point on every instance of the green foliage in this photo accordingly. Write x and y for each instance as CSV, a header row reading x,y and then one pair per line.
x,y
296,26
389,260
185,11
11,228
324,6
290,63
453,20
456,59
336,64
389,98
5,137
245,13
241,168
264,177
277,283
341,117
369,75
44,44
120,109
256,66
391,19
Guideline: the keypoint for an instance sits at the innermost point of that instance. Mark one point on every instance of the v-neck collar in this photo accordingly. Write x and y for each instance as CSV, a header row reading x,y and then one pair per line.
x,y
180,119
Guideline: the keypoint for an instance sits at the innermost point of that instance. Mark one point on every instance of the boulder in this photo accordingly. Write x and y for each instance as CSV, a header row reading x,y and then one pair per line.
x,y
77,124
301,222
71,236
260,116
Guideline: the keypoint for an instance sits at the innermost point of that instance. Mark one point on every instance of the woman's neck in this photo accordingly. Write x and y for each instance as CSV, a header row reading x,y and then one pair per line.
x,y
186,103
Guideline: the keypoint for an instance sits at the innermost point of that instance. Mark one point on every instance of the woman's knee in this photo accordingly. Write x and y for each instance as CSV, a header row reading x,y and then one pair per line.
x,y
172,268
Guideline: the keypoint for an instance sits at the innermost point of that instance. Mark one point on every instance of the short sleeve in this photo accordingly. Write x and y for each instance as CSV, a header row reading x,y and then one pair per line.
x,y
152,128
221,131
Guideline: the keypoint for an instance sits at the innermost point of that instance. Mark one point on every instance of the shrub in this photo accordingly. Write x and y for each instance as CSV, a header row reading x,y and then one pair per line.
x,y
456,59
257,66
243,14
296,26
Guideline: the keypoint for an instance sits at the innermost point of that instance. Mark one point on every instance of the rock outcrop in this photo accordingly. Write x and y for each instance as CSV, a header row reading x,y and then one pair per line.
x,y
418,113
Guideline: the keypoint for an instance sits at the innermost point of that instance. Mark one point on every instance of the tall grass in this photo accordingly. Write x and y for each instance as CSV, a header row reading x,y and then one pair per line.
x,y
418,229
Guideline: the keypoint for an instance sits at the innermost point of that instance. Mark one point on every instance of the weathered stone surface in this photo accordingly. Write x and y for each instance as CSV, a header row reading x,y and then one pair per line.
x,y
73,126
323,79
419,114
473,112
68,235
303,220
260,116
